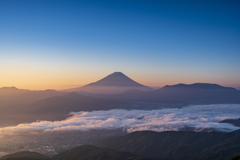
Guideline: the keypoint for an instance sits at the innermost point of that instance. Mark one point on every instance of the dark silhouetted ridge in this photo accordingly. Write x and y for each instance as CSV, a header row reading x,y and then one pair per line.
x,y
198,86
24,154
197,93
235,122
180,145
89,152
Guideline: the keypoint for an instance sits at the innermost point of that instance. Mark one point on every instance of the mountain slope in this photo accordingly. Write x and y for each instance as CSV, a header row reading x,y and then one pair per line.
x,y
177,145
235,158
235,122
26,96
116,79
88,152
59,107
25,158
197,93
25,154
116,82
56,108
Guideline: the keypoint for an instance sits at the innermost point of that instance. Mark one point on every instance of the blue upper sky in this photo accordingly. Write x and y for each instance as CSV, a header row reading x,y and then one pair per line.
x,y
154,42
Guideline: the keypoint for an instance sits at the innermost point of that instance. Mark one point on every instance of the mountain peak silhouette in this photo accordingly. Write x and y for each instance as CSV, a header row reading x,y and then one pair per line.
x,y
116,79
116,82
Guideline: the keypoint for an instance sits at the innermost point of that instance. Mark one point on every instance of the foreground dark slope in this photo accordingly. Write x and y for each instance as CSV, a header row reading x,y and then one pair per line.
x,y
25,158
153,145
89,152
86,152
24,155
177,145
235,158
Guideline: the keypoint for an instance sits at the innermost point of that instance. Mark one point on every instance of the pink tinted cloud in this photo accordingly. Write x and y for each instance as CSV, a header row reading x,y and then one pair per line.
x,y
198,117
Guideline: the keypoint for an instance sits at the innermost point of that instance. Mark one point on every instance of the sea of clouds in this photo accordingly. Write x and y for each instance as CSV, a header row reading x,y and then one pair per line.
x,y
196,117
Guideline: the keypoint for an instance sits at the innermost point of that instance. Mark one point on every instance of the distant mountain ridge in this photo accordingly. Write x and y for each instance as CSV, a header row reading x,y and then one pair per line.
x,y
197,93
198,86
59,107
184,94
116,82
26,96
28,106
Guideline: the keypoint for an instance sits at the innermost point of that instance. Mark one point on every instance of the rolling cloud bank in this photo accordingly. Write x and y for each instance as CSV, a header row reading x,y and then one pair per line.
x,y
198,118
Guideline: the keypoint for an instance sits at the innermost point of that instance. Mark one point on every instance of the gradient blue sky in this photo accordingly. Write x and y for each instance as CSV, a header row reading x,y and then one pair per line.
x,y
61,44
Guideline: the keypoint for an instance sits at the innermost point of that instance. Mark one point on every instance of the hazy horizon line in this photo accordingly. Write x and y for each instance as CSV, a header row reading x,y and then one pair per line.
x,y
76,86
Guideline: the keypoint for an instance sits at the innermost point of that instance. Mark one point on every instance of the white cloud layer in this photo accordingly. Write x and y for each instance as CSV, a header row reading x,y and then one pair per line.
x,y
198,117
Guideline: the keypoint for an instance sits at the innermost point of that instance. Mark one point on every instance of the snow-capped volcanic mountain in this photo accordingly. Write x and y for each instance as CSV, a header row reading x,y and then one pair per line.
x,y
116,82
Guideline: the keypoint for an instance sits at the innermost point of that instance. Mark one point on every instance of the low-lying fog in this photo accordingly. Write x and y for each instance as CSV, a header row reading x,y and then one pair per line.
x,y
49,137
197,117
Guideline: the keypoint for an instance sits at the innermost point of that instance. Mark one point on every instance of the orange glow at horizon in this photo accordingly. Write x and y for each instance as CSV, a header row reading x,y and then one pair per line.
x,y
42,75
33,80
42,80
